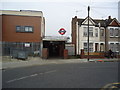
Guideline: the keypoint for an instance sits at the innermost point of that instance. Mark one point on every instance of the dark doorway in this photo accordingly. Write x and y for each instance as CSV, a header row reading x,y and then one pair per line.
x,y
55,48
96,47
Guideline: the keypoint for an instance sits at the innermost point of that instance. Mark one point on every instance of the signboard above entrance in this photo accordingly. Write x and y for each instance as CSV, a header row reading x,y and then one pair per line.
x,y
62,31
55,38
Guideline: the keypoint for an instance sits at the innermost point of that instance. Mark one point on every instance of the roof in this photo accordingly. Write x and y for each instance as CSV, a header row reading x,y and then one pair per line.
x,y
55,38
96,21
108,21
102,22
22,13
80,21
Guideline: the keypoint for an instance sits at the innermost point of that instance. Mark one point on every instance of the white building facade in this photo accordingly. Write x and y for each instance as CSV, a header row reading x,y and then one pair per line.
x,y
103,35
95,34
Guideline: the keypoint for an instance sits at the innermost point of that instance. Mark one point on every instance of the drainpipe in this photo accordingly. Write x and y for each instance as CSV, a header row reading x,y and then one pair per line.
x,y
106,39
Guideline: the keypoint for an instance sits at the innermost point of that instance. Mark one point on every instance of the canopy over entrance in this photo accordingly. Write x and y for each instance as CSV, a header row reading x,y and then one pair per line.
x,y
55,45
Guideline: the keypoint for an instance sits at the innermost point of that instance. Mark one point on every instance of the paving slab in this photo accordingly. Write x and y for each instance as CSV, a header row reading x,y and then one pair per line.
x,y
8,62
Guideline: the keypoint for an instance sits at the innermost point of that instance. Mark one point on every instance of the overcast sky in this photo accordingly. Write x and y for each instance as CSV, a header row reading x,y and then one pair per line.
x,y
59,13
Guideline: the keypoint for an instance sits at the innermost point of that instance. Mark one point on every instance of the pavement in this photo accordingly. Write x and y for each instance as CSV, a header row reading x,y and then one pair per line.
x,y
8,62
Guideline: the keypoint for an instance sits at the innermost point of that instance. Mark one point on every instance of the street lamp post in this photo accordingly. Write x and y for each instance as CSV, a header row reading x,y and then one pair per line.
x,y
78,38
88,31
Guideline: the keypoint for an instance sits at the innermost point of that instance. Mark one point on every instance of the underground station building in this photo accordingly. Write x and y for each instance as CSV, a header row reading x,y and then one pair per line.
x,y
23,32
54,46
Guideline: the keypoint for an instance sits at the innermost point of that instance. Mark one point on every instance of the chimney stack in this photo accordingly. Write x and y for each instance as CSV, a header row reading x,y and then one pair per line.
x,y
109,17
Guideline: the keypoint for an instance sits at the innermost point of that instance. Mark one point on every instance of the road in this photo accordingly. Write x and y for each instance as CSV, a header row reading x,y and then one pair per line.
x,y
72,75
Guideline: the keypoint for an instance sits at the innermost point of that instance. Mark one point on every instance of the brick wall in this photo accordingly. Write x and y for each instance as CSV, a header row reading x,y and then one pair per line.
x,y
45,53
65,54
74,20
9,23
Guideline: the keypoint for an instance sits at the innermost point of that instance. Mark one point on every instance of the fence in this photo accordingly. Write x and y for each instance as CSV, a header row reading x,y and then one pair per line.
x,y
13,48
99,54
70,48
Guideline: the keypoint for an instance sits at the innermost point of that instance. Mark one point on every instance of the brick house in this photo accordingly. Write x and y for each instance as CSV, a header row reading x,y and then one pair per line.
x,y
113,34
103,34
22,30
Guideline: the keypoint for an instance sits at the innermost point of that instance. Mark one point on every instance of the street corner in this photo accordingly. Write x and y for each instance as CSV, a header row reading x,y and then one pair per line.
x,y
112,86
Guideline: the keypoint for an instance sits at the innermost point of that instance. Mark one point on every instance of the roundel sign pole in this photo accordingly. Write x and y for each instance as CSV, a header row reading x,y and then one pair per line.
x,y
62,31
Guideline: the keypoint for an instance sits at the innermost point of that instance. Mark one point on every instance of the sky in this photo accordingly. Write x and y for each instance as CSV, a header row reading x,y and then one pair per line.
x,y
59,13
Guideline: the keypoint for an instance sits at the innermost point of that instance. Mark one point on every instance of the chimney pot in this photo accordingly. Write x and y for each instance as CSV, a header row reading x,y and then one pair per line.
x,y
75,16
109,17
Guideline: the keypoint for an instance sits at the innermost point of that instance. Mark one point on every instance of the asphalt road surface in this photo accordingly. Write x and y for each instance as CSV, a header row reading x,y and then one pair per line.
x,y
74,75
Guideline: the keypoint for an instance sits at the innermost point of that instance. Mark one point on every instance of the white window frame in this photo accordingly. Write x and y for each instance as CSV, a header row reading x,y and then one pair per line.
x,y
102,33
116,32
111,32
91,31
86,47
96,32
111,46
85,31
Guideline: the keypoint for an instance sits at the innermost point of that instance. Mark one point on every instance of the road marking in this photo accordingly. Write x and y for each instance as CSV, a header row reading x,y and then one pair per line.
x,y
17,79
33,75
111,85
51,71
114,87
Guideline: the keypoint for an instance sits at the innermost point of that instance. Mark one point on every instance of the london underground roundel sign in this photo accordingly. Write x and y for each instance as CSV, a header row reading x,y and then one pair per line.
x,y
62,31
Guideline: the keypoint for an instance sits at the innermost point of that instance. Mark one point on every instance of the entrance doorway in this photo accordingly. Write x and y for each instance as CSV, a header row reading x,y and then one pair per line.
x,y
55,48
96,47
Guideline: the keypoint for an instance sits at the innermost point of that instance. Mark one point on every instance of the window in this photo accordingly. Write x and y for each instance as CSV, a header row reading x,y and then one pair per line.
x,y
24,29
102,32
112,46
85,32
116,32
91,31
96,32
85,47
18,28
90,47
27,45
111,32
116,47
31,29
28,29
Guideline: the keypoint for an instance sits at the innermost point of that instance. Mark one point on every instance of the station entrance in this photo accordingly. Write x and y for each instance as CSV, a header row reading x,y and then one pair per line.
x,y
55,48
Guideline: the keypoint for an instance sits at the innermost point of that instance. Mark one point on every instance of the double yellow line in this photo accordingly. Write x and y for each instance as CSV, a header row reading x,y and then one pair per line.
x,y
111,86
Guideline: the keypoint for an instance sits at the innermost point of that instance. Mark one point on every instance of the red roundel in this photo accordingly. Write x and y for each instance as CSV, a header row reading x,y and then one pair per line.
x,y
62,31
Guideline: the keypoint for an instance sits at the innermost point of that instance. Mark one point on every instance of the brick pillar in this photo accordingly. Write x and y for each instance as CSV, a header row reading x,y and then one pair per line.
x,y
65,54
82,53
45,53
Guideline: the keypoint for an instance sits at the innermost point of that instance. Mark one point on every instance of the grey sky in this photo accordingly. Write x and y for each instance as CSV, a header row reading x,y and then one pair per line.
x,y
59,13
